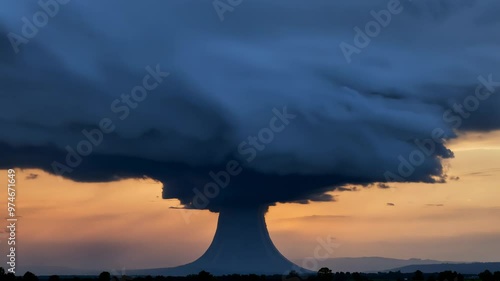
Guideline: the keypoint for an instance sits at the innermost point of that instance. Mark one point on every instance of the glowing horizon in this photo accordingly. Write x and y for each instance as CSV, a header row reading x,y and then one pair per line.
x,y
127,224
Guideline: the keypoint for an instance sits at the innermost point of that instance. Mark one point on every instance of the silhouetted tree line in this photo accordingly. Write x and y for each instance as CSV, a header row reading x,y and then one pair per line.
x,y
445,276
488,276
324,274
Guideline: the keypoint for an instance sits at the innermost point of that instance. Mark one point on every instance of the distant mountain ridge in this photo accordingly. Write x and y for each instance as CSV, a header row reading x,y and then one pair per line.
x,y
361,264
463,268
369,264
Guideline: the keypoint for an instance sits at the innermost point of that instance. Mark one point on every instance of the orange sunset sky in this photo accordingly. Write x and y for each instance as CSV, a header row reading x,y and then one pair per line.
x,y
126,224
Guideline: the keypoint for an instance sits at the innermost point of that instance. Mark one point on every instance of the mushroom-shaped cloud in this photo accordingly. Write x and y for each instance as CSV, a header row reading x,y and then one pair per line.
x,y
280,102
237,105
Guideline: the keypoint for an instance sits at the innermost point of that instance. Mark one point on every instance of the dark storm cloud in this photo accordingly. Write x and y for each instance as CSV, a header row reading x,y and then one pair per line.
x,y
343,188
484,173
31,176
434,205
383,185
351,123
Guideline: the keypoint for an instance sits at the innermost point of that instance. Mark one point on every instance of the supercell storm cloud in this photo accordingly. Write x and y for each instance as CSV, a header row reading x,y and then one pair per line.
x,y
296,98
